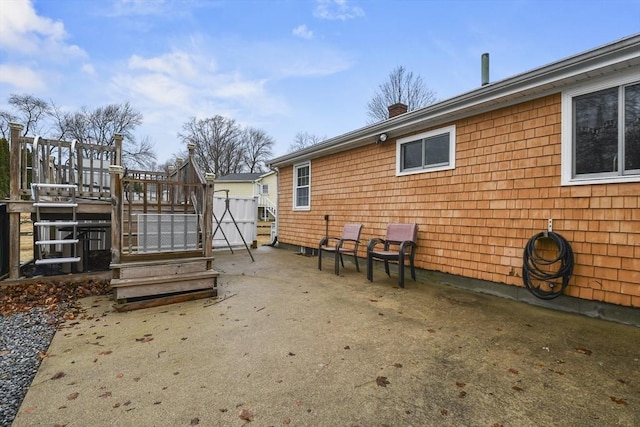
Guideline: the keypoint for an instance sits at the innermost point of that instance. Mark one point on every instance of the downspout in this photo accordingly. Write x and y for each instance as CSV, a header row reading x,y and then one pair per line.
x,y
274,242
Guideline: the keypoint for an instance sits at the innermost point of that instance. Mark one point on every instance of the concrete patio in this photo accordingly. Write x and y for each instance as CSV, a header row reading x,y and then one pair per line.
x,y
287,344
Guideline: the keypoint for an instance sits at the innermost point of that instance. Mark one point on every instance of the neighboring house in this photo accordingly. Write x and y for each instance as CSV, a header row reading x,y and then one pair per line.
x,y
264,186
483,172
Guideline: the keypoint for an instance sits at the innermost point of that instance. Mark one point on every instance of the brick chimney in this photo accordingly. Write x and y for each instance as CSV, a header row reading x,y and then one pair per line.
x,y
397,109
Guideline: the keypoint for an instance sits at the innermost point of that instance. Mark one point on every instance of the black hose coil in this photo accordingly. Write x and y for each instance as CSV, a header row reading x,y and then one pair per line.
x,y
538,276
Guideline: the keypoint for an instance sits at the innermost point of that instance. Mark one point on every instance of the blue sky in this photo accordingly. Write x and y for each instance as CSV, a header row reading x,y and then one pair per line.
x,y
283,66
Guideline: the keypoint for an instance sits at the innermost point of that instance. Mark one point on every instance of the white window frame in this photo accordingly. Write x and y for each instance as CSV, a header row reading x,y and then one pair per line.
x,y
451,130
296,168
595,85
264,188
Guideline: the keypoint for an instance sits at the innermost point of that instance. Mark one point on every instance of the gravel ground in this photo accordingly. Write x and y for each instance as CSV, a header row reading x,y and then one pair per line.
x,y
30,314
24,341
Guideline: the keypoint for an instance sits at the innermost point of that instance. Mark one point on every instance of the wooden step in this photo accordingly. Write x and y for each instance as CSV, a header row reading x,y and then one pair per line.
x,y
160,285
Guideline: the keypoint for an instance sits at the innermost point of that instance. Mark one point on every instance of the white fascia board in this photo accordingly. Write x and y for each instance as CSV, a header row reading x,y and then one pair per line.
x,y
533,84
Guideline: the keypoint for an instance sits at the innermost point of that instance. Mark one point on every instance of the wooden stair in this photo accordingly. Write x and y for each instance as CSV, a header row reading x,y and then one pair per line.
x,y
132,279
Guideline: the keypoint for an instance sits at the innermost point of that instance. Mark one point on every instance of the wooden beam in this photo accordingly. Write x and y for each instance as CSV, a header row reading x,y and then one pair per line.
x,y
172,299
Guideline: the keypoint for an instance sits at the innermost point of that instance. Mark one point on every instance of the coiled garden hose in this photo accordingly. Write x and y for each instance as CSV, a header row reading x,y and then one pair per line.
x,y
541,275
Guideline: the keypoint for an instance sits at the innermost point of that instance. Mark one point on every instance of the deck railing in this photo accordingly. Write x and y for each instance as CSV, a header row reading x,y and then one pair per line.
x,y
48,161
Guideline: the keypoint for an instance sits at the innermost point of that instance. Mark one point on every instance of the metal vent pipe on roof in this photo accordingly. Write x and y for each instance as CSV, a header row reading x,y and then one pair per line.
x,y
485,69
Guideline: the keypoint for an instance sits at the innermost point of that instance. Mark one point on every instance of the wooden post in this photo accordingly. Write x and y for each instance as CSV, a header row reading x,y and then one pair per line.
x,y
117,138
208,218
116,172
14,195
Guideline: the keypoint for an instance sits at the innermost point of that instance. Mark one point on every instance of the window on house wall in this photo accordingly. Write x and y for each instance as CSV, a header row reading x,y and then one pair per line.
x,y
302,186
601,132
264,188
426,152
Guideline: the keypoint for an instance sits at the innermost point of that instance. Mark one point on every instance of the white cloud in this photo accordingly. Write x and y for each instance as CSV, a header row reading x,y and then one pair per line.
x,y
303,32
178,64
22,78
23,31
337,10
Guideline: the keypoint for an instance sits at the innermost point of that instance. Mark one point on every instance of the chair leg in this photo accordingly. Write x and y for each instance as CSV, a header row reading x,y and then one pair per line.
x,y
413,270
369,267
386,267
319,259
355,258
341,260
401,270
337,263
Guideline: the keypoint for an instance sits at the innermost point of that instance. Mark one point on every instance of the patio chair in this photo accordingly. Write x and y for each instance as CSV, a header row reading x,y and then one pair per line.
x,y
346,244
398,245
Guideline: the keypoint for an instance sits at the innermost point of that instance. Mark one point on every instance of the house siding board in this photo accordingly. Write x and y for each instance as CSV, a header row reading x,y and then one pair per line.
x,y
475,220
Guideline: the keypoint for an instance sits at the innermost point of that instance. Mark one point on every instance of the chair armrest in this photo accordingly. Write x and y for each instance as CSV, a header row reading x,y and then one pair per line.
x,y
407,244
326,240
373,242
341,241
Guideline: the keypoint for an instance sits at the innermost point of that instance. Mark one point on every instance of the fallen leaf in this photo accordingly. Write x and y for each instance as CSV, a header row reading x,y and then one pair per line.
x,y
382,381
618,401
397,365
195,421
105,353
119,375
291,354
513,371
373,300
157,402
346,347
58,375
432,331
105,394
246,415
583,351
286,421
462,394
444,412
460,384
73,396
144,339
116,405
516,388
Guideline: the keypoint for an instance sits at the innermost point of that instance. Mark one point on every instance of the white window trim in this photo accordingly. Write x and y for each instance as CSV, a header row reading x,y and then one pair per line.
x,y
566,175
295,186
451,130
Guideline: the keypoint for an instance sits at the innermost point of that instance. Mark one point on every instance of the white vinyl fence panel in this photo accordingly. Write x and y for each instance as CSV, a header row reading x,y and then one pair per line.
x,y
167,232
245,212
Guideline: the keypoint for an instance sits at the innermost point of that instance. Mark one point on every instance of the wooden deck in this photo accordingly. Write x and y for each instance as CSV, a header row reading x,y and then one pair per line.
x,y
155,221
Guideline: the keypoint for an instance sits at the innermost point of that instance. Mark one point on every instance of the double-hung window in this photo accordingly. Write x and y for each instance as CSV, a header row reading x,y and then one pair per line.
x,y
426,152
302,186
601,132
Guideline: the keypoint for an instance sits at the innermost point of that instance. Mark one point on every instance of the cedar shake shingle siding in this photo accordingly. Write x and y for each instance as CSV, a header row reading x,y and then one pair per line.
x,y
474,220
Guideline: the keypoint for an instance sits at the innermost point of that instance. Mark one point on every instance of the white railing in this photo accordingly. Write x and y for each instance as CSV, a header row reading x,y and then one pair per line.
x,y
266,203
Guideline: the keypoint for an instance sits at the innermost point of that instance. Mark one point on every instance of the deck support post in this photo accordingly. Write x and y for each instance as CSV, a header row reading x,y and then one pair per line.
x,y
14,196
116,216
208,218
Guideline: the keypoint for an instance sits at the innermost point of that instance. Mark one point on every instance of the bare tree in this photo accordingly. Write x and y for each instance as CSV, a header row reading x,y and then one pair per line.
x,y
99,127
401,87
218,144
31,112
5,118
258,147
304,140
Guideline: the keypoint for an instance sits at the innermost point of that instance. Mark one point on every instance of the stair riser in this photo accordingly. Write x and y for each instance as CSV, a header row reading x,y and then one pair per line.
x,y
163,288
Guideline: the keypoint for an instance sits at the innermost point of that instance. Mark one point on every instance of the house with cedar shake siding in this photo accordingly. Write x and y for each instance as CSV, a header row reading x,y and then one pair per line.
x,y
483,172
